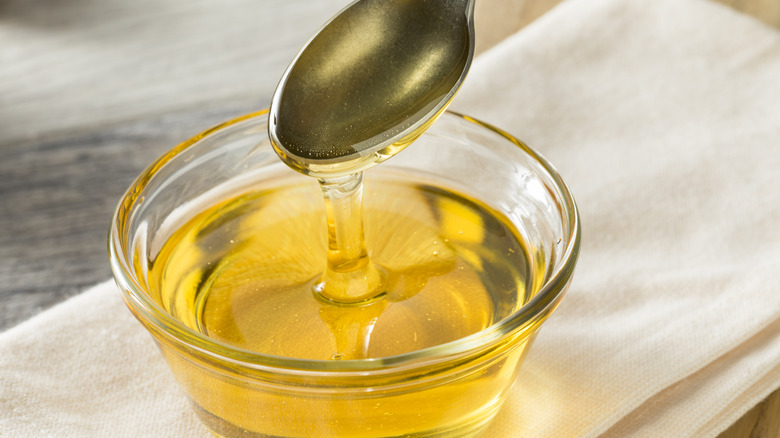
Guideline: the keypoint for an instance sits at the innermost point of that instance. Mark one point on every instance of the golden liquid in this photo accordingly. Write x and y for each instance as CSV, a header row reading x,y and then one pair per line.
x,y
245,272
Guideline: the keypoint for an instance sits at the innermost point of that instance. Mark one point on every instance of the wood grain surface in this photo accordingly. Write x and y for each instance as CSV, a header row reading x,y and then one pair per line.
x,y
91,91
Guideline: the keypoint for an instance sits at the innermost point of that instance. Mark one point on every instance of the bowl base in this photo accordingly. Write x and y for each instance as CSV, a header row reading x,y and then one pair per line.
x,y
472,428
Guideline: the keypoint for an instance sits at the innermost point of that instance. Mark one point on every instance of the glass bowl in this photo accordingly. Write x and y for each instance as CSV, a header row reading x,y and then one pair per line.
x,y
451,390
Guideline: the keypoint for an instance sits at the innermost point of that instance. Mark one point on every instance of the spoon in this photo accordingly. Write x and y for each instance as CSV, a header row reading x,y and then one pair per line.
x,y
369,83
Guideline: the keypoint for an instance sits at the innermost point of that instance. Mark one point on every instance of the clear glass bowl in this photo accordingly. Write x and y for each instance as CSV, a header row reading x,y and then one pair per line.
x,y
452,390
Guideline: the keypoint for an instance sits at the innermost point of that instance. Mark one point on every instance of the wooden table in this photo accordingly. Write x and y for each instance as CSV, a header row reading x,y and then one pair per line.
x,y
93,91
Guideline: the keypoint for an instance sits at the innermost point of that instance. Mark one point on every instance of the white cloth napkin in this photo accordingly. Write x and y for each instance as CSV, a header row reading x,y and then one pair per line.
x,y
664,118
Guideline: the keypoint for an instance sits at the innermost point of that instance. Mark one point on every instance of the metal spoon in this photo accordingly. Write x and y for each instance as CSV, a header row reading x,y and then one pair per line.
x,y
369,83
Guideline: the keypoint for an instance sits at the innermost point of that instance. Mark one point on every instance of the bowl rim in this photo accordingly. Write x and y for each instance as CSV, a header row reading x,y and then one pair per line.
x,y
154,317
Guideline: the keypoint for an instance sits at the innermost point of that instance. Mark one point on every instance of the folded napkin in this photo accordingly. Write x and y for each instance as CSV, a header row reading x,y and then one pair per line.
x,y
664,118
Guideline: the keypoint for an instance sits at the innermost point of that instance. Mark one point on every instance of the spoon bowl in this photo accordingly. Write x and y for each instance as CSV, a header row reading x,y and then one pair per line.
x,y
369,83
